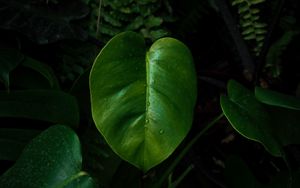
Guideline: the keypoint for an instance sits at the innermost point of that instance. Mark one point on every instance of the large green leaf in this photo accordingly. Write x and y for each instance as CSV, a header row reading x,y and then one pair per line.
x,y
142,102
52,159
46,105
273,126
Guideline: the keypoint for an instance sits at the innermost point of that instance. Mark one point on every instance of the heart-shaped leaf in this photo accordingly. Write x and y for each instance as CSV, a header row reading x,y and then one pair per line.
x,y
142,102
52,159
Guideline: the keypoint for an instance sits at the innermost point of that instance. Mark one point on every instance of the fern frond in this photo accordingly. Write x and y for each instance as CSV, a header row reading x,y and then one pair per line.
x,y
252,29
142,16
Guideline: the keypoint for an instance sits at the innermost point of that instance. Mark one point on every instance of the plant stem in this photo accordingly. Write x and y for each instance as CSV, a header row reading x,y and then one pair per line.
x,y
98,19
185,150
181,177
246,58
267,41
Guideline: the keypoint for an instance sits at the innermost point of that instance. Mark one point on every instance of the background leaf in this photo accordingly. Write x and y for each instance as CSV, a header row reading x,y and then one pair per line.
x,y
49,160
238,174
249,117
43,69
143,108
16,139
46,105
43,23
9,59
259,122
274,98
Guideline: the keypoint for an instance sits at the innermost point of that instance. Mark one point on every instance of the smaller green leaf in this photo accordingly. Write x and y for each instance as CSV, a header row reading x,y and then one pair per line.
x,y
236,2
249,117
250,37
260,38
260,25
153,21
243,8
254,10
255,18
248,31
274,98
51,160
254,2
260,122
246,23
247,16
135,24
260,31
110,19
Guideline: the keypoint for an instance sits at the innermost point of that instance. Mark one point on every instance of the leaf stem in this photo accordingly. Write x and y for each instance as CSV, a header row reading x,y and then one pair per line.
x,y
185,150
98,19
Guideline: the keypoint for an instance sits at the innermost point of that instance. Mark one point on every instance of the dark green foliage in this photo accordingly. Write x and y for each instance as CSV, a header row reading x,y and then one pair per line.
x,y
189,15
252,28
51,160
46,105
273,58
9,60
273,65
42,22
146,17
16,139
47,48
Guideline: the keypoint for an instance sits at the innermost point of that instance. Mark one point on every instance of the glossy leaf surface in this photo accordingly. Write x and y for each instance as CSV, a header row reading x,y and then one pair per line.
x,y
142,101
52,159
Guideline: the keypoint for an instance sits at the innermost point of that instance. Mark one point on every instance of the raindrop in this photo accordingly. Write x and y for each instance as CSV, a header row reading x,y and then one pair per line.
x,y
161,131
147,120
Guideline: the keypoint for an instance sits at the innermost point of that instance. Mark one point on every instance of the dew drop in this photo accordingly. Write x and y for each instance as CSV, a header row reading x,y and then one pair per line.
x,y
161,131
147,120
